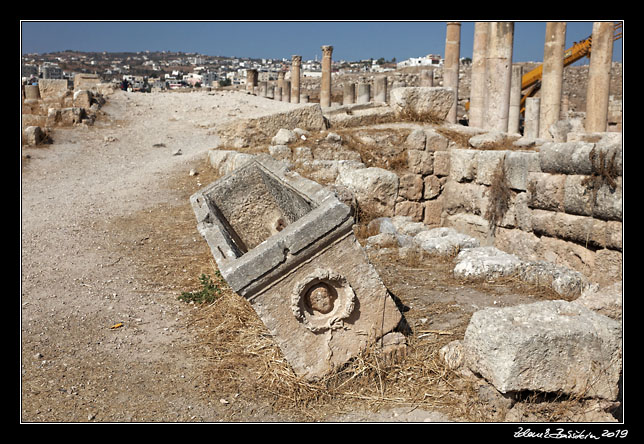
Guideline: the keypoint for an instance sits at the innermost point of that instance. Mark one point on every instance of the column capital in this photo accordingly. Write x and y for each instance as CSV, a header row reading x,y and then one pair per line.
x,y
296,59
327,50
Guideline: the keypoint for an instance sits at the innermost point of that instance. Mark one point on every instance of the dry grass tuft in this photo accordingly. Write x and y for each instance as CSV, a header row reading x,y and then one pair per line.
x,y
499,197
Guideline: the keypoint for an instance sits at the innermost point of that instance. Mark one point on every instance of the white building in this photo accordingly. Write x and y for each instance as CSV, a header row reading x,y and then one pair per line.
x,y
428,60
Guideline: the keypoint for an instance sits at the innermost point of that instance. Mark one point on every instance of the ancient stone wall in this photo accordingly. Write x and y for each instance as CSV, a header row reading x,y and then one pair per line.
x,y
562,203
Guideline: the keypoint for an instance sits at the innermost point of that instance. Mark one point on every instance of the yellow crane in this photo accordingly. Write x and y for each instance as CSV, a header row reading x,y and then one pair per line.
x,y
531,81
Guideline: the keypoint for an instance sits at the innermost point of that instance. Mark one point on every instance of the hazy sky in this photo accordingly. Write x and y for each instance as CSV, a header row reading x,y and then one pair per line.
x,y
272,39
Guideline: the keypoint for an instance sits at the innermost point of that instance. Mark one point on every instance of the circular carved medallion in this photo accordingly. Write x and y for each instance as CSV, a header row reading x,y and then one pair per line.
x,y
323,300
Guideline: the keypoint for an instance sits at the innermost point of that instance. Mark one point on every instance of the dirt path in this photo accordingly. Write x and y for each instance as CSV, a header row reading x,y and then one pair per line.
x,y
93,203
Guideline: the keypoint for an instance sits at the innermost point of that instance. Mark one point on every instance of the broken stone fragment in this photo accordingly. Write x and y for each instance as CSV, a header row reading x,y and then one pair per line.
x,y
548,346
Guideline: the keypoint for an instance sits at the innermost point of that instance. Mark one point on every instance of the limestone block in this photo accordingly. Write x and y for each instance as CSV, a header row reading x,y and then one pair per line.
x,y
226,161
487,163
605,300
546,191
444,241
82,99
518,165
608,204
52,89
280,152
420,162
283,137
33,135
416,140
262,129
433,186
549,346
566,158
578,197
607,266
464,197
411,209
374,188
433,212
487,263
411,186
518,242
442,163
614,235
563,280
289,249
427,103
435,141
462,165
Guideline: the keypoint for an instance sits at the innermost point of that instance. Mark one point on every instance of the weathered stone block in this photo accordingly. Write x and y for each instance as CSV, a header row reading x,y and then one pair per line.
x,y
411,186
375,189
416,140
463,165
286,244
549,346
420,162
433,212
412,209
262,129
442,163
435,141
487,164
428,103
546,191
517,167
433,186
566,158
52,89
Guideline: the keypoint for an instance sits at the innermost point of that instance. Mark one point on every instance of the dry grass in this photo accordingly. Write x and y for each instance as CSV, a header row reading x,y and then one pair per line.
x,y
499,197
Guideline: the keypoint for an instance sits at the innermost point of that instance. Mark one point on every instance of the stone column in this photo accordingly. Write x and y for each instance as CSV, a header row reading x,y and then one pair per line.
x,y
295,79
515,100
270,91
325,83
263,88
552,77
597,93
477,79
450,68
499,75
531,122
427,77
280,83
348,93
380,89
251,80
286,91
364,93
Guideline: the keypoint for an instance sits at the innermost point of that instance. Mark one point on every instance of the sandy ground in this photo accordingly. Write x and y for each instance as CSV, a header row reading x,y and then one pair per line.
x,y
85,202
109,242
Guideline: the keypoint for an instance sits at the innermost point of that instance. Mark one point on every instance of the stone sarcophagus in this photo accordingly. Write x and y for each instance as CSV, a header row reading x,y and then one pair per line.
x,y
286,244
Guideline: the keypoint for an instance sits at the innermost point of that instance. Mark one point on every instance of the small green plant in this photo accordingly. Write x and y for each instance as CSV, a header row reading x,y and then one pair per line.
x,y
209,292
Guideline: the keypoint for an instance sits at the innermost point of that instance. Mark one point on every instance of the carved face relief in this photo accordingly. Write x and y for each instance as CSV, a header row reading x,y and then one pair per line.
x,y
322,301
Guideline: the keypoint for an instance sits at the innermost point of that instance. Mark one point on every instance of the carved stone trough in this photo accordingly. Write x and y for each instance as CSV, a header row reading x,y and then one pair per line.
x,y
286,244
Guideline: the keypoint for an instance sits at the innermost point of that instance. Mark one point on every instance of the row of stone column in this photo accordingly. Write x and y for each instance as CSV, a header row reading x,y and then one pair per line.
x,y
496,84
286,91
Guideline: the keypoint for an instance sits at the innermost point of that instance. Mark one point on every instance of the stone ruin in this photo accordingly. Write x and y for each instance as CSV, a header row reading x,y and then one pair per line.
x,y
55,103
288,247
277,236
